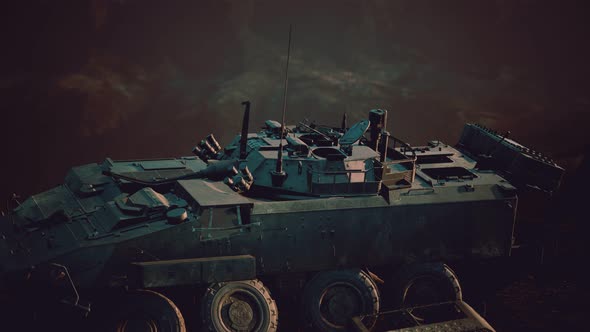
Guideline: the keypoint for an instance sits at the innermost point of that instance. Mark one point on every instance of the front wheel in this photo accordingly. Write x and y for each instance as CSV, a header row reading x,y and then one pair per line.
x,y
244,306
146,311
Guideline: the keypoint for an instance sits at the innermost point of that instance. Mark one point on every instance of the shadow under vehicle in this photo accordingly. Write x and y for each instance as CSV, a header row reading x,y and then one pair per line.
x,y
324,212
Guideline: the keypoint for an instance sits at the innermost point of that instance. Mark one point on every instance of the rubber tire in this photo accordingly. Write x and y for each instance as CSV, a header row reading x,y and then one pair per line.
x,y
438,273
321,282
217,292
153,304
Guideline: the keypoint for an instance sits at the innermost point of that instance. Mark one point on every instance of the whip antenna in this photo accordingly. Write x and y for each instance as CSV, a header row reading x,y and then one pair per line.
x,y
279,176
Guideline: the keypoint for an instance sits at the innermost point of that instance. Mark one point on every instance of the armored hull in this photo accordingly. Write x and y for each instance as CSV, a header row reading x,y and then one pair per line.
x,y
336,209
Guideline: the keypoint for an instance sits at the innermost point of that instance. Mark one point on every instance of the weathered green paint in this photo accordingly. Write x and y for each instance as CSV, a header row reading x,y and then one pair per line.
x,y
180,272
339,206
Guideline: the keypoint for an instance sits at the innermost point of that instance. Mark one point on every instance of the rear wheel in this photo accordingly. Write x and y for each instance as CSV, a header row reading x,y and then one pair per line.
x,y
239,306
427,283
332,298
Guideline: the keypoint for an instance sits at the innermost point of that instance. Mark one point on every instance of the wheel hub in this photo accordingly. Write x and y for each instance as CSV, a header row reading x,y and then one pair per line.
x,y
424,290
339,304
240,314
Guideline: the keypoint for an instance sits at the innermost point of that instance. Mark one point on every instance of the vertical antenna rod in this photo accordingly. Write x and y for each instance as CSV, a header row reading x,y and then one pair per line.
x,y
244,138
279,168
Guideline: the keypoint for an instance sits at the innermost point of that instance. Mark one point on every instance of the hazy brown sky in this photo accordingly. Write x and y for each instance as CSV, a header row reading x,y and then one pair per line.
x,y
83,80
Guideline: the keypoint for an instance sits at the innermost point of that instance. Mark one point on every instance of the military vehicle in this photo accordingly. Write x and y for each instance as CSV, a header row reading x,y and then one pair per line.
x,y
327,212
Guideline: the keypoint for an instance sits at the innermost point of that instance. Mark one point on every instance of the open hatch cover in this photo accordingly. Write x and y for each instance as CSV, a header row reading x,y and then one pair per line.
x,y
355,133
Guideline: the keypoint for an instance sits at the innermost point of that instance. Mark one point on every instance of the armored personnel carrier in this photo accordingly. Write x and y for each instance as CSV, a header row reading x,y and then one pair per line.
x,y
328,213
